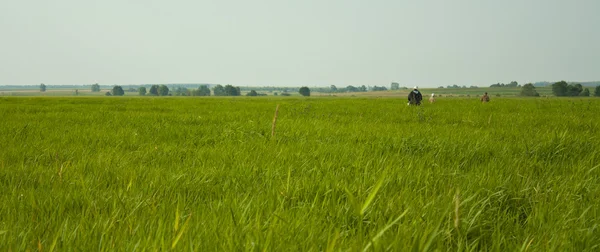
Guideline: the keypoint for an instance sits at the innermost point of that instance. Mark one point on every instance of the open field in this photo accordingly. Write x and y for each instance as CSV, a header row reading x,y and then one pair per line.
x,y
205,174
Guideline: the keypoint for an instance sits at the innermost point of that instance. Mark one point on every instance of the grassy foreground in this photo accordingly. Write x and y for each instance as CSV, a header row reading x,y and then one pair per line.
x,y
198,174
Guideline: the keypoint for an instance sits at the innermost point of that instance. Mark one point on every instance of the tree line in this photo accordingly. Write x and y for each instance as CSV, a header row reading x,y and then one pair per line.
x,y
561,88
203,90
457,86
512,84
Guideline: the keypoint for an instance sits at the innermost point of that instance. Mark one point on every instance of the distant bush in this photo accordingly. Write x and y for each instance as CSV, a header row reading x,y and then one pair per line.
x,y
231,90
376,88
203,90
118,91
163,90
218,90
562,88
153,90
529,90
585,92
181,91
96,87
108,94
510,85
285,94
304,91
252,93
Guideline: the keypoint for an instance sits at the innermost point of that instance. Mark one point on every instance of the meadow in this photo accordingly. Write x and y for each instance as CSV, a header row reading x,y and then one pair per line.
x,y
340,173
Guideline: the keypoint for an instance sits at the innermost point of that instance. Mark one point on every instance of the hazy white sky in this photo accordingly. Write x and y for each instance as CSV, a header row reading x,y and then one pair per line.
x,y
292,43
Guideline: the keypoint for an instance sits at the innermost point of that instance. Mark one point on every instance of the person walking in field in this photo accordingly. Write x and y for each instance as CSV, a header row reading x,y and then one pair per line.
x,y
415,97
432,98
485,98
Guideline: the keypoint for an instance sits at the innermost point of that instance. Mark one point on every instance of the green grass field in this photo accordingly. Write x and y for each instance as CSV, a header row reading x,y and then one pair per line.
x,y
205,174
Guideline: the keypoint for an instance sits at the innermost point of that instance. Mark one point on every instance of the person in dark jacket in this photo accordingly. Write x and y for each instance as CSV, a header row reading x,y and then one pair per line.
x,y
415,97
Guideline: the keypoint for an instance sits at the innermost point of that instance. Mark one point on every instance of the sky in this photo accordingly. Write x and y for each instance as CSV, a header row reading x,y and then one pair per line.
x,y
428,43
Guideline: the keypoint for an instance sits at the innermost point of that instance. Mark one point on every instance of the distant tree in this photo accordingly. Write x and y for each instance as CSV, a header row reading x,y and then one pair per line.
x,y
304,91
108,94
252,93
163,90
203,90
574,90
529,90
597,91
95,88
231,90
182,91
153,90
118,91
560,88
42,87
512,84
275,93
376,88
585,92
333,88
76,91
351,89
473,87
441,87
142,91
394,86
285,94
362,88
219,90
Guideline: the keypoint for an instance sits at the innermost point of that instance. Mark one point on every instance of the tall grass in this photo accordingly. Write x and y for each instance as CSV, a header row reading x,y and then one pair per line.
x,y
340,173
